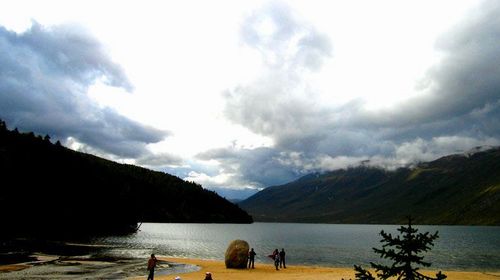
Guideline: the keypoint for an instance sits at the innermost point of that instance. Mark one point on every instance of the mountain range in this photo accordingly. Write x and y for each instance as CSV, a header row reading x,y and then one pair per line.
x,y
456,189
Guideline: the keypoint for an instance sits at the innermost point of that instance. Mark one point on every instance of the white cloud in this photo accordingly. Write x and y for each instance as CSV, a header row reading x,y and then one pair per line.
x,y
452,113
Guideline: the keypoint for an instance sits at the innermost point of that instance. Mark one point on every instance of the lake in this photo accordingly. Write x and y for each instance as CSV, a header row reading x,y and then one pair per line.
x,y
458,247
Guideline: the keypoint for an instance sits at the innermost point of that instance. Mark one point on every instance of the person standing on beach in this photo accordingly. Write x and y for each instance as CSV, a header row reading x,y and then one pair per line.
x,y
273,255
208,276
276,258
282,258
151,267
251,258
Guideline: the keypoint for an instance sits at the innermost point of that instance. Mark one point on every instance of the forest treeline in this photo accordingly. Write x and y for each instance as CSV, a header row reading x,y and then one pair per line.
x,y
48,189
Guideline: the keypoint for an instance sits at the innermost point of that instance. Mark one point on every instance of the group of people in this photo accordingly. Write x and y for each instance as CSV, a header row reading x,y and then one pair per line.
x,y
279,258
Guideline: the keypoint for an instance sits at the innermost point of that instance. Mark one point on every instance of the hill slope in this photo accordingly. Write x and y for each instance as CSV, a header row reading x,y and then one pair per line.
x,y
46,188
457,189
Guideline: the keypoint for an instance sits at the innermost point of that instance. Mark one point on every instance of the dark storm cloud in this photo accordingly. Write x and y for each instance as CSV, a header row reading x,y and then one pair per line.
x,y
260,165
461,94
269,107
44,77
458,106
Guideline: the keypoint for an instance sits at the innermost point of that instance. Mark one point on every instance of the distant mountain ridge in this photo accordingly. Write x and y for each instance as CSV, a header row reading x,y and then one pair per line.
x,y
455,189
47,189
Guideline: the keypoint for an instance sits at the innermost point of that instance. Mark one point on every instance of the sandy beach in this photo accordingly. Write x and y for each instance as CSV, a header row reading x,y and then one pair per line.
x,y
266,271
171,267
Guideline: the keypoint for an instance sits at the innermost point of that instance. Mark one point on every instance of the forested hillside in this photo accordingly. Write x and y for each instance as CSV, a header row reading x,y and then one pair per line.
x,y
49,189
457,189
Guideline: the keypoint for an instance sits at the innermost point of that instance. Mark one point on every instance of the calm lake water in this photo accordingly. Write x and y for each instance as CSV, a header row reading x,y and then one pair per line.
x,y
458,247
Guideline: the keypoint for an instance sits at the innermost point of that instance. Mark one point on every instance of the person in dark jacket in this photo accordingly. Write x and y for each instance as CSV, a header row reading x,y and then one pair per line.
x,y
282,258
251,258
208,276
276,255
151,267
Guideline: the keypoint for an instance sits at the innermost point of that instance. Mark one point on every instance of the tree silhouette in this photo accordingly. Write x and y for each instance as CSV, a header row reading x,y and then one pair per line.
x,y
405,253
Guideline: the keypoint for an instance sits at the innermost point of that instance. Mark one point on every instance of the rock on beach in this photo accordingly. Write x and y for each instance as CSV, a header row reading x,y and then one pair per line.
x,y
237,254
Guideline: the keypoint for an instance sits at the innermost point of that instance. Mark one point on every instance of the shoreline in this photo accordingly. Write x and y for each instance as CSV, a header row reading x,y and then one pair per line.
x,y
267,271
54,267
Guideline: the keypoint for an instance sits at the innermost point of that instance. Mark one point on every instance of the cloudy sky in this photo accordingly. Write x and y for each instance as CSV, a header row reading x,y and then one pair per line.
x,y
241,95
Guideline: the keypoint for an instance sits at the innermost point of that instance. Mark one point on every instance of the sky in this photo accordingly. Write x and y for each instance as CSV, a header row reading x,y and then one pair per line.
x,y
241,95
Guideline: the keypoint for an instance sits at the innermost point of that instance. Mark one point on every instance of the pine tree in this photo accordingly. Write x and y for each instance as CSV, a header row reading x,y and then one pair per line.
x,y
405,253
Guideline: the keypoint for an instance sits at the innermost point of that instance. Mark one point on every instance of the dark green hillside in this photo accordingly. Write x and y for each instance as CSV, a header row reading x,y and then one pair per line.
x,y
457,189
47,188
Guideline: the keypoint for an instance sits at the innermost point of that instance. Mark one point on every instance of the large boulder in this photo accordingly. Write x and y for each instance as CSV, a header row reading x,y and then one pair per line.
x,y
237,254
